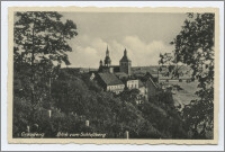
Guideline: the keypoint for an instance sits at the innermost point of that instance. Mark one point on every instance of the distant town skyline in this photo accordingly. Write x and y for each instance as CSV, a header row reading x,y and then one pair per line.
x,y
144,35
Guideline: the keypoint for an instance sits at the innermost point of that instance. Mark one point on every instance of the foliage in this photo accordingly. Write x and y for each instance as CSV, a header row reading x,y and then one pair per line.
x,y
40,86
166,97
40,40
40,46
194,46
129,95
74,103
41,34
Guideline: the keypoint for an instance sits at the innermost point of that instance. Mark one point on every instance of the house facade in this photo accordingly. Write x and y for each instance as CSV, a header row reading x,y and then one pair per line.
x,y
132,84
110,82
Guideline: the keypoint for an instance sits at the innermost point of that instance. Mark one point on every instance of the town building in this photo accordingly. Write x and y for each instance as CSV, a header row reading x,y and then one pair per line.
x,y
143,89
153,87
125,64
132,84
110,76
110,82
121,75
116,78
152,84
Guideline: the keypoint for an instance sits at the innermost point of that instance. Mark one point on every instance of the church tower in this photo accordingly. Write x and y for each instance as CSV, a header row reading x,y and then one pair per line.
x,y
100,66
100,63
107,58
125,64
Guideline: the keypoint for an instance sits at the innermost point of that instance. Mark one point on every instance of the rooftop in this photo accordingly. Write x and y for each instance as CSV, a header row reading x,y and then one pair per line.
x,y
125,58
109,79
140,84
121,74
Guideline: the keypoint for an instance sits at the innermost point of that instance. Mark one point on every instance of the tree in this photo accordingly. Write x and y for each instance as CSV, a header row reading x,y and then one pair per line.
x,y
40,46
194,46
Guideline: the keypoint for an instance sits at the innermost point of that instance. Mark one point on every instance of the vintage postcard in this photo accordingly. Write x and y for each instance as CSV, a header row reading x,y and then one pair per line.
x,y
113,75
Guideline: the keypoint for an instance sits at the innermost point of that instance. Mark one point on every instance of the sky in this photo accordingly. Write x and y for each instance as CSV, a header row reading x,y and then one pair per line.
x,y
144,35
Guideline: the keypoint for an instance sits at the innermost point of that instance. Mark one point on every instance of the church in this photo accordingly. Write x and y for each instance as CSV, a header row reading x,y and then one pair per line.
x,y
112,77
123,67
116,78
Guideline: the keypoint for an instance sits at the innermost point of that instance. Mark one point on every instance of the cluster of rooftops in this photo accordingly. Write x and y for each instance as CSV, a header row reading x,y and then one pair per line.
x,y
118,77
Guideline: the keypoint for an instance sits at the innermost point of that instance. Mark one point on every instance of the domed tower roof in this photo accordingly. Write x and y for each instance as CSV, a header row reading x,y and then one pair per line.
x,y
107,58
125,58
100,62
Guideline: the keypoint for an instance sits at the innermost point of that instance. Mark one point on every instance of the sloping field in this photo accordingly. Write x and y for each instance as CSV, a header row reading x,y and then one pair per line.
x,y
185,95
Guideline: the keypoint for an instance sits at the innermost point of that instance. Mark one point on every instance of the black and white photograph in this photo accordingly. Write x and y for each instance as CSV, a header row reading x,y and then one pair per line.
x,y
121,75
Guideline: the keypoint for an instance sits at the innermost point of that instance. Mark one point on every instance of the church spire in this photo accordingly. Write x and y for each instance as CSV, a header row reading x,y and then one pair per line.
x,y
107,58
125,57
125,52
107,51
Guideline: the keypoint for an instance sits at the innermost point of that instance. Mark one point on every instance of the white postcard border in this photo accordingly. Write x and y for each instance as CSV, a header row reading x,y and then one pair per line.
x,y
4,79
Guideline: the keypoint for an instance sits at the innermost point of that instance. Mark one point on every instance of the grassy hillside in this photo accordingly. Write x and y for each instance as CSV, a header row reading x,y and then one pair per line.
x,y
186,94
76,100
